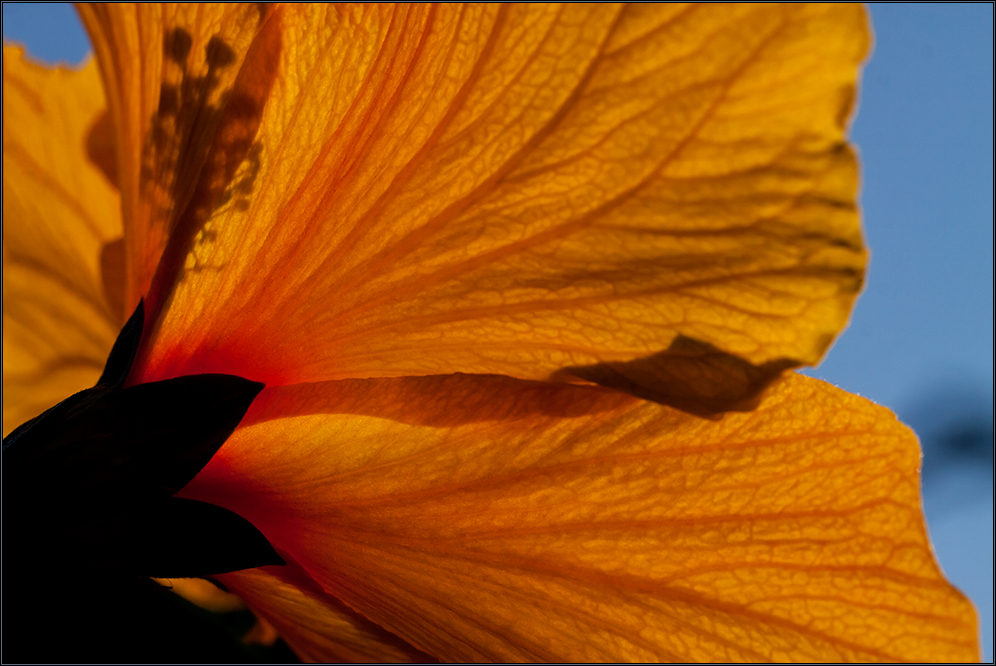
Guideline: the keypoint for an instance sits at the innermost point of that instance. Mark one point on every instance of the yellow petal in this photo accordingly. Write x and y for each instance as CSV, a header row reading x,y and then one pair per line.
x,y
60,220
316,625
531,189
182,120
485,518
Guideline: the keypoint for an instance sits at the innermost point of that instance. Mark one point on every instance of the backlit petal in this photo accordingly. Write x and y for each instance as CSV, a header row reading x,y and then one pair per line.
x,y
486,518
315,624
170,73
203,593
531,189
61,218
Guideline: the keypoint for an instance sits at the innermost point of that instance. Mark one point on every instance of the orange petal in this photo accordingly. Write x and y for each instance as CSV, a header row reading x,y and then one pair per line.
x,y
183,124
316,625
530,189
60,218
203,593
486,518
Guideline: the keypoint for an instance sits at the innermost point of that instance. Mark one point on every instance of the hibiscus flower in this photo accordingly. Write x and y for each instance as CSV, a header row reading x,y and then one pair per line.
x,y
513,293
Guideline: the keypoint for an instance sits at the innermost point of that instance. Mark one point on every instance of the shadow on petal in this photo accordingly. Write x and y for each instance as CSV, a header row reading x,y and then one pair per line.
x,y
693,376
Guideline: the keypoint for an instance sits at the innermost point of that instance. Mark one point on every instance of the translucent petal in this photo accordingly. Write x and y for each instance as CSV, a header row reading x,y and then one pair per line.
x,y
525,190
491,519
61,220
170,73
315,624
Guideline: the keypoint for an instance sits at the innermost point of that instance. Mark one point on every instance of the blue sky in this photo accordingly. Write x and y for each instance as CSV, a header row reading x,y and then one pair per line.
x,y
921,336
